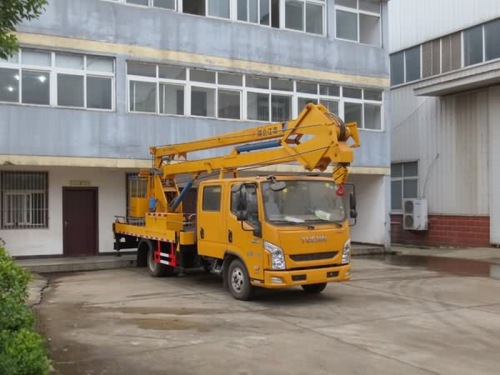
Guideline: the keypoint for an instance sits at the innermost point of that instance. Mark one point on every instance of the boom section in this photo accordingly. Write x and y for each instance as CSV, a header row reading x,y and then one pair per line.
x,y
315,139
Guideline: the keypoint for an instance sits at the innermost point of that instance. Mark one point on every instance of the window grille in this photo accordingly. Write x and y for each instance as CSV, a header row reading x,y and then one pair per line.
x,y
24,200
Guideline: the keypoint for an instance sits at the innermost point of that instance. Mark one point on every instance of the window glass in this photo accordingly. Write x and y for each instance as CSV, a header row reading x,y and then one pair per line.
x,y
242,10
202,101
314,18
258,106
294,15
329,90
347,25
410,169
202,76
353,113
218,8
167,4
71,61
369,29
230,79
492,44
303,102
30,57
412,59
281,84
257,82
372,117
196,7
349,92
100,64
171,99
397,195
397,170
473,46
211,198
347,3
397,68
14,59
70,90
9,85
265,13
145,70
307,88
35,87
229,104
99,92
372,6
142,96
171,72
281,108
331,105
373,95
137,2
253,8
410,188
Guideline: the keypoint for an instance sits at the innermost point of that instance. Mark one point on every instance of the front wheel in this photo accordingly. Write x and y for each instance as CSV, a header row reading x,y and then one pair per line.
x,y
314,288
238,281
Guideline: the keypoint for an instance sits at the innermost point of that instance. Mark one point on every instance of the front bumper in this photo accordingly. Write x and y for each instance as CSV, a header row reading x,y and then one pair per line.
x,y
285,279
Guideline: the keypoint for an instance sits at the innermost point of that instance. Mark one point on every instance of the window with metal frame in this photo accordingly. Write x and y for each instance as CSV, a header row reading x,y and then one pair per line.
x,y
358,21
58,79
307,16
24,200
168,89
404,183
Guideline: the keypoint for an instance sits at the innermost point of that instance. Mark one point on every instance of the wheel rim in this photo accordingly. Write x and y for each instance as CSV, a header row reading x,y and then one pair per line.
x,y
237,280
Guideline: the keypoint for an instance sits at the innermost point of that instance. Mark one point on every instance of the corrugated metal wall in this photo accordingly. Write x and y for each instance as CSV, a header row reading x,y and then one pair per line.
x,y
449,138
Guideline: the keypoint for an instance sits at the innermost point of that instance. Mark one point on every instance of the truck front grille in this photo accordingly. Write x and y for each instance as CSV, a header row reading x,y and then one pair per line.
x,y
314,256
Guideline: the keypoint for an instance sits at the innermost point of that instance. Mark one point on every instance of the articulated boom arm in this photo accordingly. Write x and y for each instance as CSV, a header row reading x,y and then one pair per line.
x,y
315,139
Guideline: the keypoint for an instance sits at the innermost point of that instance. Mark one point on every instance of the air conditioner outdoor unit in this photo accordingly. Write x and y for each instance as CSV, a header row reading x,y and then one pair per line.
x,y
415,214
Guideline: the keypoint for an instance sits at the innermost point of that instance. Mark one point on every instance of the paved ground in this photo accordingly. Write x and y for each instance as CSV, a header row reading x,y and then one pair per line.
x,y
389,320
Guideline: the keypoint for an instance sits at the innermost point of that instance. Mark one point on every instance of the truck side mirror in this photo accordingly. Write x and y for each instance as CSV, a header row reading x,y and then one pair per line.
x,y
241,203
353,213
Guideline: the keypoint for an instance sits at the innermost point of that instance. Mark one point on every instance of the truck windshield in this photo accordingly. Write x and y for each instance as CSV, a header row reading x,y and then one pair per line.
x,y
303,201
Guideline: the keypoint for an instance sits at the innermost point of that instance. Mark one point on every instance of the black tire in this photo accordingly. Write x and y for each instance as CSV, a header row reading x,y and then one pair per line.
x,y
314,288
157,269
238,281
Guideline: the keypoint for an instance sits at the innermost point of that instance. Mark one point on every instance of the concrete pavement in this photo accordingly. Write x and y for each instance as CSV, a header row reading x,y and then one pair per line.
x,y
388,320
483,262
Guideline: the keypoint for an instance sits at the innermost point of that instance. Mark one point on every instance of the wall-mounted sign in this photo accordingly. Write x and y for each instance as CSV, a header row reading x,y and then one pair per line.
x,y
79,182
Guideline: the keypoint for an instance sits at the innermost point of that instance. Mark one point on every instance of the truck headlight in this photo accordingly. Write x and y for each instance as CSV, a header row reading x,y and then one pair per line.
x,y
346,253
277,256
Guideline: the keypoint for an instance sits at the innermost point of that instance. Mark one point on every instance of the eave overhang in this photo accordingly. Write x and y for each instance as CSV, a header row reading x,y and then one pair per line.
x,y
471,78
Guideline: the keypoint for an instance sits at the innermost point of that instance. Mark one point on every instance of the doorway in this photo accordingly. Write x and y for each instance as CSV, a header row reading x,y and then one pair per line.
x,y
80,221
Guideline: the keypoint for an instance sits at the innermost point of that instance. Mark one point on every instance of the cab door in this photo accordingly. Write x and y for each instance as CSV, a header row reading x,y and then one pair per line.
x,y
241,237
211,221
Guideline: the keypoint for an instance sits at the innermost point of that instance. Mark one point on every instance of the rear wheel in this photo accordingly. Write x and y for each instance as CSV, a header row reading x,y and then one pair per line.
x,y
238,281
157,269
314,288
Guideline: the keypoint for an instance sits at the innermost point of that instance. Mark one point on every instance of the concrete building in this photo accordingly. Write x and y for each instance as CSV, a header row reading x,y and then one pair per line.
x,y
97,82
445,78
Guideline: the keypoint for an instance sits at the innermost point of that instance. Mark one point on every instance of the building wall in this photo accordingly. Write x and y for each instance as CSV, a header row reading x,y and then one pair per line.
x,y
447,120
51,138
48,241
413,22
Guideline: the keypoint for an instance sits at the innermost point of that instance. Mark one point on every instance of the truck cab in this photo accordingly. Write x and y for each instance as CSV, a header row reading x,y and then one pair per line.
x,y
274,232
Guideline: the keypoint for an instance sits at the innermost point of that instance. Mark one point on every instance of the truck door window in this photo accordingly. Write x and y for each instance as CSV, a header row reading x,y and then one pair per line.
x,y
211,198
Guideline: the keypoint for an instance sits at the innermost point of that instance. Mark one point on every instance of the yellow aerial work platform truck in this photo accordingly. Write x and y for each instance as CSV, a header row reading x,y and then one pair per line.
x,y
254,231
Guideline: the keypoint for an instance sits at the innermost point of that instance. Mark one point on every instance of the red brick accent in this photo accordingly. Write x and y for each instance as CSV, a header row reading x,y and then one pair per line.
x,y
444,230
